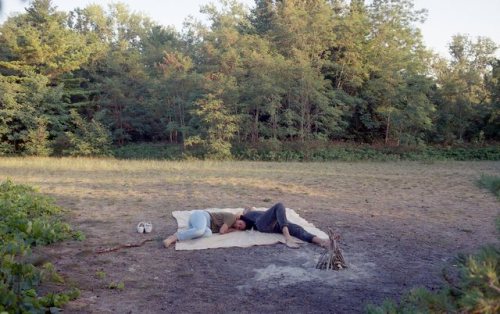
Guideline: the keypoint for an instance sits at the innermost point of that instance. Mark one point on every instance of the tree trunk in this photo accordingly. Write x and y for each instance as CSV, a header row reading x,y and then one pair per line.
x,y
387,129
255,128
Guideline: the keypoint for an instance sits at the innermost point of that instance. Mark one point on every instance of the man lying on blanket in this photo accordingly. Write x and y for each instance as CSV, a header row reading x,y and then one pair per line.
x,y
273,220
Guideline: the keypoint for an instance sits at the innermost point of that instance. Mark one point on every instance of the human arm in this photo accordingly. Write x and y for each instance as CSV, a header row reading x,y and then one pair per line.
x,y
247,209
228,223
226,229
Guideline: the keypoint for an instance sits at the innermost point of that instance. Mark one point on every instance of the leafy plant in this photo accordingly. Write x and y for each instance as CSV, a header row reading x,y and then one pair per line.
x,y
27,219
218,125
117,285
89,138
37,142
100,274
477,292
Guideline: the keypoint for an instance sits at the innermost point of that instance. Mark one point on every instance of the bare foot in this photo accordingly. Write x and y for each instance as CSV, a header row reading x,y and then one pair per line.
x,y
170,240
325,243
291,243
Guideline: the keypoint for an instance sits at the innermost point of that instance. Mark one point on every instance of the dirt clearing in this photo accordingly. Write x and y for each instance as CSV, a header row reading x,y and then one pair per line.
x,y
401,223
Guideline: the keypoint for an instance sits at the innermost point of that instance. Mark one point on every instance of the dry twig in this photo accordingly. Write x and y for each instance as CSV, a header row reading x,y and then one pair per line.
x,y
332,258
124,246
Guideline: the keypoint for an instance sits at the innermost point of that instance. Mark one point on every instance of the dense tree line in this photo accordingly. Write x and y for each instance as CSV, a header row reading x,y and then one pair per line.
x,y
74,83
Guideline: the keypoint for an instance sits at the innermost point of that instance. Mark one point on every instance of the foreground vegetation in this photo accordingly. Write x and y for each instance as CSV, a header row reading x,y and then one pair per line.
x,y
74,83
28,219
478,290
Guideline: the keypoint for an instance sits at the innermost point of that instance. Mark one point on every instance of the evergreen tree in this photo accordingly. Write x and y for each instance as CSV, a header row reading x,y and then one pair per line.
x,y
217,128
37,50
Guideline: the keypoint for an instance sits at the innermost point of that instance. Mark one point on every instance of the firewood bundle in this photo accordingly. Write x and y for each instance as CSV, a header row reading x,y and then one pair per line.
x,y
332,257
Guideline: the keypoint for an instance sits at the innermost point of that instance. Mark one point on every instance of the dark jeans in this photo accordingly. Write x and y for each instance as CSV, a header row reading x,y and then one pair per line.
x,y
274,219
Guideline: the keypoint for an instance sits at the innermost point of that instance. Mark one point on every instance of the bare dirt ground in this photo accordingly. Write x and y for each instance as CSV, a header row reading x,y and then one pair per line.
x,y
402,223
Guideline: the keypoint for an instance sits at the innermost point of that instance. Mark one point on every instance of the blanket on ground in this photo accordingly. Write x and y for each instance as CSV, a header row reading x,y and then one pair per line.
x,y
239,238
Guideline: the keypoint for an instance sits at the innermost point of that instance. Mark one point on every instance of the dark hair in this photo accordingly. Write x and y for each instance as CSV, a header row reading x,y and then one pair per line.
x,y
249,224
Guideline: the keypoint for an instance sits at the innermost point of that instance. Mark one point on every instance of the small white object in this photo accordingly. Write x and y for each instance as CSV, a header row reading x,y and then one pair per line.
x,y
140,227
148,227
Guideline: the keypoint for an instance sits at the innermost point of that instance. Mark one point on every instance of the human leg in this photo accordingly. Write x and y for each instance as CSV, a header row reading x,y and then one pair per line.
x,y
199,226
273,219
199,222
299,232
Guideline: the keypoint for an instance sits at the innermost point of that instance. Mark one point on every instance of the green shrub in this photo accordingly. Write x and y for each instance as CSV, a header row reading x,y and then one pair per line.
x,y
491,183
477,292
324,151
88,138
217,125
37,139
27,219
308,151
149,151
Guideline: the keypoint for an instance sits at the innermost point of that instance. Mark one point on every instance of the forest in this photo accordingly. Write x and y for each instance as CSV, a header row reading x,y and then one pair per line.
x,y
81,83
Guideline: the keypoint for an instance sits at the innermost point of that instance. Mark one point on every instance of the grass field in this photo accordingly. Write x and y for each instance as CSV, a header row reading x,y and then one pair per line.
x,y
401,223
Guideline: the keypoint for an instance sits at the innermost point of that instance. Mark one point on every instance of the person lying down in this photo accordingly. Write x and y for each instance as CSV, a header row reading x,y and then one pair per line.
x,y
203,224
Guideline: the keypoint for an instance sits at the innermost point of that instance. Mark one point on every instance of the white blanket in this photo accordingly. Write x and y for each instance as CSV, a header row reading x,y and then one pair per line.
x,y
239,238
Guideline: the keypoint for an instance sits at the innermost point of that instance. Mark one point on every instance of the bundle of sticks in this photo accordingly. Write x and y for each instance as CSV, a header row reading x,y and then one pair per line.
x,y
332,257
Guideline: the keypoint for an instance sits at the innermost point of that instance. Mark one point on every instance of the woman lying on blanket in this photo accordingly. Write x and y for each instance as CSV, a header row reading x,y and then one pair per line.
x,y
274,220
203,224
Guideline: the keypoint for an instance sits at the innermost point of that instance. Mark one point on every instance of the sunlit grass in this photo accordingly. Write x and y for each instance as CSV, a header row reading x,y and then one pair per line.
x,y
84,175
102,188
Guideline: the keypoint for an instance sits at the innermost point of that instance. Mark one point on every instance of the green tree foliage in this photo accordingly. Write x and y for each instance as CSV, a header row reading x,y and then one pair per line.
x,y
217,128
24,101
492,114
88,139
37,143
40,40
37,50
285,71
117,72
397,66
464,100
177,88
